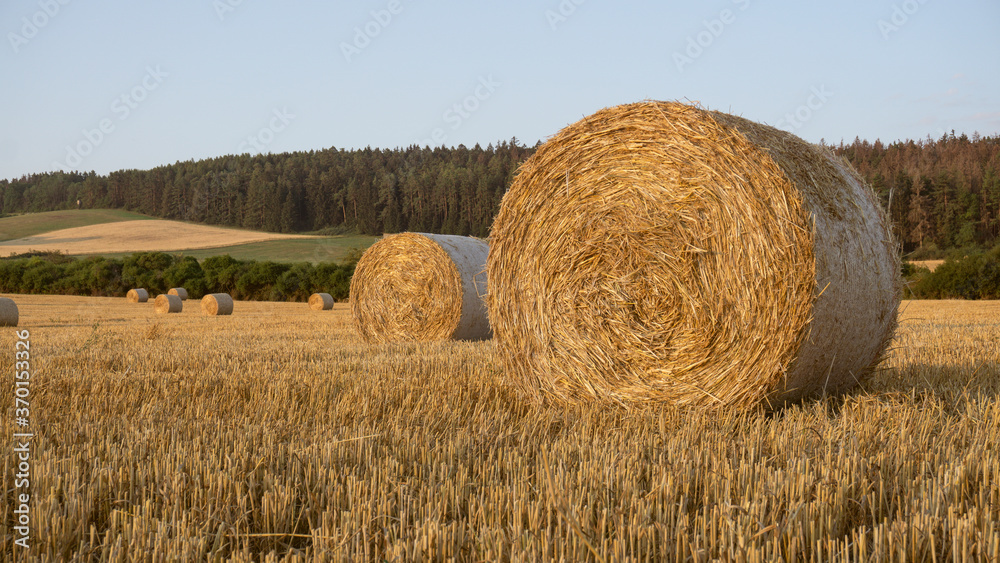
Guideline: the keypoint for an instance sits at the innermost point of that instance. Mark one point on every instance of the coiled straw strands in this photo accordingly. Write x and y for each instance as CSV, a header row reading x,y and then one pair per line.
x,y
137,295
658,252
165,303
321,301
217,304
421,287
179,292
8,312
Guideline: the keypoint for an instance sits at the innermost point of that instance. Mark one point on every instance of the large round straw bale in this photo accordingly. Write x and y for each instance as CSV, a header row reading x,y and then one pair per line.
x,y
8,312
418,286
165,303
137,295
321,301
179,292
217,304
658,252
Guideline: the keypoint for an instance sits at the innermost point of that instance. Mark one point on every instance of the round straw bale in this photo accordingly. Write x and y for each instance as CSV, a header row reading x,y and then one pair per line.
x,y
8,312
179,292
658,252
165,303
217,304
137,295
321,301
418,286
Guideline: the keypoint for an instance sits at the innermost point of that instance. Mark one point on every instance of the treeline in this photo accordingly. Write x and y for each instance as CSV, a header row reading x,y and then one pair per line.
x,y
941,194
973,276
53,273
370,191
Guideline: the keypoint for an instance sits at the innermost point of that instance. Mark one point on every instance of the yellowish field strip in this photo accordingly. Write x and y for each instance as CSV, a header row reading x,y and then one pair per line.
x,y
929,264
137,236
275,433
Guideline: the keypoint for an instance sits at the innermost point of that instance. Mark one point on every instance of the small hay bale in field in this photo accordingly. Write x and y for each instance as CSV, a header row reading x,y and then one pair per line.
x,y
8,312
422,287
658,252
165,303
138,295
321,301
217,304
179,292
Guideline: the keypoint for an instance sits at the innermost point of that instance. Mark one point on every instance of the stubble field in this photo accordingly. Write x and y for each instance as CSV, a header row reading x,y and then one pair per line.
x,y
275,434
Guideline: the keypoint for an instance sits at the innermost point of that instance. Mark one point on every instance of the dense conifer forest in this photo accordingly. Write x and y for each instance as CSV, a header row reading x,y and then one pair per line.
x,y
941,194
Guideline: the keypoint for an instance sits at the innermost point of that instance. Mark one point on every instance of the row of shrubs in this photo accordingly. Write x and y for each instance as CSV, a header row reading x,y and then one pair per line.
x,y
973,276
53,273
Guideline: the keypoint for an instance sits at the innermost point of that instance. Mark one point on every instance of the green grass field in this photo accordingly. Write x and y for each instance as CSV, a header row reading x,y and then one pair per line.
x,y
327,249
31,224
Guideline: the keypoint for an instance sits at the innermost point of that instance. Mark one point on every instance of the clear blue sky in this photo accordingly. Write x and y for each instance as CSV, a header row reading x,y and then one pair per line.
x,y
123,84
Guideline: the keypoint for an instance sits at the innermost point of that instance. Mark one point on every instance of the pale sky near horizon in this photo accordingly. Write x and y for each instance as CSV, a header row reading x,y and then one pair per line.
x,y
118,85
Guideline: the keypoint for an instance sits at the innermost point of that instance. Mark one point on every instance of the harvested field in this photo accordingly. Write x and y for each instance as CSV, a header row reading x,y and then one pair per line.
x,y
276,432
137,236
929,264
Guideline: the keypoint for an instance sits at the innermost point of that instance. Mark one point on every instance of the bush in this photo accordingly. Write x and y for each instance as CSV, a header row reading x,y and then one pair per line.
x,y
222,272
187,273
157,272
259,280
974,276
145,269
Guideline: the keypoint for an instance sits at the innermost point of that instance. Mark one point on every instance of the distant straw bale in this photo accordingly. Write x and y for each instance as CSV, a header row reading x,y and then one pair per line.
x,y
217,304
165,303
321,301
661,253
8,312
179,292
421,287
137,295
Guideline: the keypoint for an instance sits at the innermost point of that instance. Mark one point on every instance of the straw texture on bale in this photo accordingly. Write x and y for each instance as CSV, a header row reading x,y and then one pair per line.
x,y
8,312
179,292
165,303
217,304
658,252
321,301
137,295
421,287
